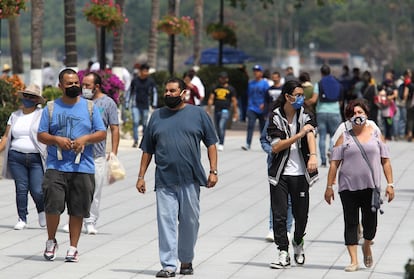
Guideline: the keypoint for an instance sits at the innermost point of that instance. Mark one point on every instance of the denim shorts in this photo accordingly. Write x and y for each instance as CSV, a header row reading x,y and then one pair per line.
x,y
73,188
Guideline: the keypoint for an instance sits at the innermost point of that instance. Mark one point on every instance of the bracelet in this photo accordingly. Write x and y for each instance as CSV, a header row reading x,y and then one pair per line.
x,y
329,186
140,177
310,154
391,184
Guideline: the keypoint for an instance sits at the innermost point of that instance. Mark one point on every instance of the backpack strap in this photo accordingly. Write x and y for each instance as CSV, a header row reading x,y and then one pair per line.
x,y
90,110
50,107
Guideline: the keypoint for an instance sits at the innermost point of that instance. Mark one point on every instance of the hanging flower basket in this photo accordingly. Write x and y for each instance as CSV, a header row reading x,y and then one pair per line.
x,y
224,32
104,13
10,8
172,25
218,35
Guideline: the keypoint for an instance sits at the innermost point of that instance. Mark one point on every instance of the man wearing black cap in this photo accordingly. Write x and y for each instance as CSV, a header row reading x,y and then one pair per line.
x,y
223,97
256,93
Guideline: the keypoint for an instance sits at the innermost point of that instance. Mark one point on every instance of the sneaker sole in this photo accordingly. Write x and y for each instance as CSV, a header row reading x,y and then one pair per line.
x,y
49,258
71,260
278,266
300,263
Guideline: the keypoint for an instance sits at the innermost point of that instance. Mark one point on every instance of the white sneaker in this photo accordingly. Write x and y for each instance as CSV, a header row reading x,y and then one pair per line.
x,y
20,225
51,249
72,256
283,261
90,229
65,228
298,252
220,147
270,236
42,219
245,147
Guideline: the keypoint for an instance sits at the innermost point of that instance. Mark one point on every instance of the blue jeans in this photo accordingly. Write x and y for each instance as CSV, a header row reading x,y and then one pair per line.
x,y
251,118
177,203
289,220
400,121
27,172
327,123
220,118
137,116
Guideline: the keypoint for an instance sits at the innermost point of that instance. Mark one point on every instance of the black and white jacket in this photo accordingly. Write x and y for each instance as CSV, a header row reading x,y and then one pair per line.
x,y
278,130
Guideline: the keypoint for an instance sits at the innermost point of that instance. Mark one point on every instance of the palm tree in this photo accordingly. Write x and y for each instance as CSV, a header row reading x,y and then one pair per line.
x,y
37,34
198,26
71,53
15,45
118,46
153,36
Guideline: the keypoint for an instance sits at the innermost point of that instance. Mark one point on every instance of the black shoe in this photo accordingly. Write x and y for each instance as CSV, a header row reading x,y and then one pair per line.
x,y
135,145
187,270
165,274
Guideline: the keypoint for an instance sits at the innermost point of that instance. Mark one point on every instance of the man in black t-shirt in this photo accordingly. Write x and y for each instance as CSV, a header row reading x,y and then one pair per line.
x,y
143,94
223,97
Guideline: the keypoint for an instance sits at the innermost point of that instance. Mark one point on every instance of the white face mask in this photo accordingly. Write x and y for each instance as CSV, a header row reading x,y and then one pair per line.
x,y
87,93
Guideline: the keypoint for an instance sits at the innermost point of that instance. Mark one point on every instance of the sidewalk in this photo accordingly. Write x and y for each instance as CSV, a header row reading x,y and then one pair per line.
x,y
234,222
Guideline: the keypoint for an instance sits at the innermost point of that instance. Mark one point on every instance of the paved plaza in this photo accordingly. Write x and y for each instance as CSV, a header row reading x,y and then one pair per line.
x,y
234,222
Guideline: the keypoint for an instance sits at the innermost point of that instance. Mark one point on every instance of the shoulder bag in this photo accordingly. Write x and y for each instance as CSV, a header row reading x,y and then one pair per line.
x,y
376,200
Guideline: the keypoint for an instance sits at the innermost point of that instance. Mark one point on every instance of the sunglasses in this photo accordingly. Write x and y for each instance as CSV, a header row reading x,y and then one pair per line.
x,y
29,96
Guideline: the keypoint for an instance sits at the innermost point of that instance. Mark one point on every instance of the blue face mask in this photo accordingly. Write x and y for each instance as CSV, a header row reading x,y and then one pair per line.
x,y
27,103
298,103
358,120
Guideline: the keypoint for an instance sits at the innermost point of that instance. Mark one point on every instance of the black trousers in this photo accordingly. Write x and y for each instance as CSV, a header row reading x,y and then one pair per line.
x,y
352,202
298,188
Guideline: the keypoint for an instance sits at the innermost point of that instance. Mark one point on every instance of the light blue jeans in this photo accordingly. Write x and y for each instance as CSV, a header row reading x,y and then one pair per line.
x,y
178,212
327,124
220,118
27,172
137,116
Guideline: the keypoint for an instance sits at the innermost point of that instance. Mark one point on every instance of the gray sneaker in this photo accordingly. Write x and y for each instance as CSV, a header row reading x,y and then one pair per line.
x,y
283,261
51,249
298,252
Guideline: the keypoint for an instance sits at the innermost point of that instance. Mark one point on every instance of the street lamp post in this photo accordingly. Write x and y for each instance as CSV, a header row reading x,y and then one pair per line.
x,y
102,57
171,11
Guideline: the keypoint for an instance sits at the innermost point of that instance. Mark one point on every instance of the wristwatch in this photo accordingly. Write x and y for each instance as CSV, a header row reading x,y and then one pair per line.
x,y
214,172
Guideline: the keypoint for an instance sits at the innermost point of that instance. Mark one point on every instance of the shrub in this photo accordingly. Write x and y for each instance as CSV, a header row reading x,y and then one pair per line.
x,y
51,93
9,103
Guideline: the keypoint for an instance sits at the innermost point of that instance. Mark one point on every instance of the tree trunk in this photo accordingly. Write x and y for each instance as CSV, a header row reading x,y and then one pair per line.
x,y
36,42
198,30
71,53
153,36
118,46
15,45
98,42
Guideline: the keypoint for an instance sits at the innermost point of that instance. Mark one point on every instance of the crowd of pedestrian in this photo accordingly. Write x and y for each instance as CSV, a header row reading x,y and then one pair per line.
x,y
66,147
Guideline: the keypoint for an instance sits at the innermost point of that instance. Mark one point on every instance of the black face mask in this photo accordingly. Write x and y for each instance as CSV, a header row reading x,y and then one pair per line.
x,y
172,102
73,91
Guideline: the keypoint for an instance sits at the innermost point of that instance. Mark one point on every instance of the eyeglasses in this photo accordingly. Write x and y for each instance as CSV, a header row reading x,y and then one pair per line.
x,y
29,96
